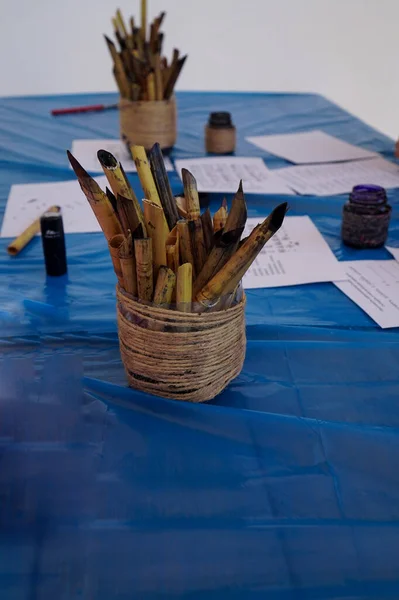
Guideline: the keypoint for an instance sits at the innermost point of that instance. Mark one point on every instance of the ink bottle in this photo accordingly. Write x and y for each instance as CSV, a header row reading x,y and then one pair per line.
x,y
366,217
220,133
53,241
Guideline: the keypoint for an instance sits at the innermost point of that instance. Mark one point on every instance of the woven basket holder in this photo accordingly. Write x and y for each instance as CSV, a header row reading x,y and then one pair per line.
x,y
144,123
193,360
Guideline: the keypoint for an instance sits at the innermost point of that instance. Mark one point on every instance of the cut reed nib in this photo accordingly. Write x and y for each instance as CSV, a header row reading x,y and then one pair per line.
x,y
191,195
228,277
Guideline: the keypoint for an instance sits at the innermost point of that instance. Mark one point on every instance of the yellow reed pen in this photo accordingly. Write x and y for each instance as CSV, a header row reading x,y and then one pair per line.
x,y
97,199
164,287
143,19
184,287
144,270
154,221
118,181
114,245
26,236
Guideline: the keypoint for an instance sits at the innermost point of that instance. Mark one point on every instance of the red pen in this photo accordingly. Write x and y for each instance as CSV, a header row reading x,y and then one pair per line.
x,y
82,109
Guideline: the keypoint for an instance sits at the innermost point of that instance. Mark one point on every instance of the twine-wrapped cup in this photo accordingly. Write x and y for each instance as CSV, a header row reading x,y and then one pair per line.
x,y
184,356
145,123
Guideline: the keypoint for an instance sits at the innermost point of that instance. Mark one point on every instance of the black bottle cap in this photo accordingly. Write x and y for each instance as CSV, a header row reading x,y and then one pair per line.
x,y
220,120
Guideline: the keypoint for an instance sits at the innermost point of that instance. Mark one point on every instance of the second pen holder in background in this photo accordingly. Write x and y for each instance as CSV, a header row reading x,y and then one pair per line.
x,y
144,123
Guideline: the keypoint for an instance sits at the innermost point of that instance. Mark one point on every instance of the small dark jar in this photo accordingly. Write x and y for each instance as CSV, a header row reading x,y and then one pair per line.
x,y
366,217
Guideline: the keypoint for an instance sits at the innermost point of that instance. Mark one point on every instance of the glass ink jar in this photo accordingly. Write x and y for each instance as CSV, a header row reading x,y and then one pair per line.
x,y
366,217
220,134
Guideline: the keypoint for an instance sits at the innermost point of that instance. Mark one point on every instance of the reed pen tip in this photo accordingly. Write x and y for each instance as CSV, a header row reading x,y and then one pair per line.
x,y
107,159
80,172
277,217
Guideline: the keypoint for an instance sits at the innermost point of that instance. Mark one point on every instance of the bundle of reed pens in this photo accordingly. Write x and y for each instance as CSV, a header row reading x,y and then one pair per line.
x,y
140,70
143,75
180,299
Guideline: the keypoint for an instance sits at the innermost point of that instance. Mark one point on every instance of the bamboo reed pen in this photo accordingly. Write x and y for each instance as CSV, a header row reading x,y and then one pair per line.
x,y
161,180
114,245
128,265
184,287
145,175
186,251
97,199
144,271
119,183
164,287
154,221
28,234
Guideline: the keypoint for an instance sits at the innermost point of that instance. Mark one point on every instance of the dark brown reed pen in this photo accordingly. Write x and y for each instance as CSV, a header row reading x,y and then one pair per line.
x,y
163,186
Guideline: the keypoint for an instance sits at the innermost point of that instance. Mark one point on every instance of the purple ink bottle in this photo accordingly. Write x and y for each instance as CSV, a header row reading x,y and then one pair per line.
x,y
366,217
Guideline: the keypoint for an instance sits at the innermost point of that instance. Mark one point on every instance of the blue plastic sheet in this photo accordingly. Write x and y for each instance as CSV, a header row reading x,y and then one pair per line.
x,y
286,486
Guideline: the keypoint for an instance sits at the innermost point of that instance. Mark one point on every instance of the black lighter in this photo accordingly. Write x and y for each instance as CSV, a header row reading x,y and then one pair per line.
x,y
53,241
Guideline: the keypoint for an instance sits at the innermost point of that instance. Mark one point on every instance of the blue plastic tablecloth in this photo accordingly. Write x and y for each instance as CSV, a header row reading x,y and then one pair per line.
x,y
285,486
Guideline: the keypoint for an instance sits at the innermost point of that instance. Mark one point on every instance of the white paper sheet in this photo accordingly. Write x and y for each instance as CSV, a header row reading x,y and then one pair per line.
x,y
393,251
374,286
222,175
85,151
27,202
328,180
310,147
296,254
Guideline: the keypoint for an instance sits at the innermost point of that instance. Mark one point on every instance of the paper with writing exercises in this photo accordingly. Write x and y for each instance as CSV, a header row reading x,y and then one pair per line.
x,y
295,255
85,151
309,147
27,202
328,180
222,175
374,286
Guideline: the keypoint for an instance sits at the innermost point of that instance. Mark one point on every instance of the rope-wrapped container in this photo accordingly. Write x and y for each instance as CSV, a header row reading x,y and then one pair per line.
x,y
184,356
144,123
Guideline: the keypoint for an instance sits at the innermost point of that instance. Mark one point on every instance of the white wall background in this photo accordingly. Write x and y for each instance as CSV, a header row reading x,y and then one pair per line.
x,y
347,50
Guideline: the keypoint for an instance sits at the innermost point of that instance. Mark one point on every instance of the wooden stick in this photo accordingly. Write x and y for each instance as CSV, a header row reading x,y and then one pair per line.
x,y
144,272
26,236
154,220
97,199
164,287
184,288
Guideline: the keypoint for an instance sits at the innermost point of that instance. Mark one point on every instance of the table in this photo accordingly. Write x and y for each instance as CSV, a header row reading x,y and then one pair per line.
x,y
285,486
